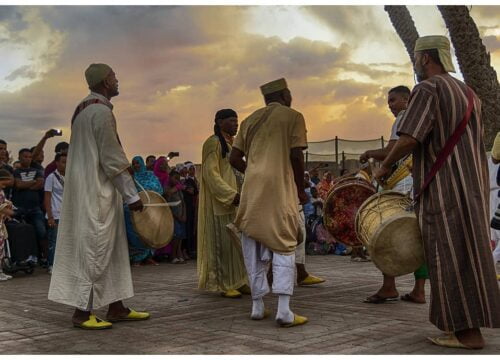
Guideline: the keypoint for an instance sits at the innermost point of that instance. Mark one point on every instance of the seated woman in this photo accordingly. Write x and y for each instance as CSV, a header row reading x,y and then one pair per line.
x,y
145,180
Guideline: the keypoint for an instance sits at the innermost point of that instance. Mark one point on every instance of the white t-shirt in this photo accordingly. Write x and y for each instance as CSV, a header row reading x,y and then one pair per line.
x,y
55,186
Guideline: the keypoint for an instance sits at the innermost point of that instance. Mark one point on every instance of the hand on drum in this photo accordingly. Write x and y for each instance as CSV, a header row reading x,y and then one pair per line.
x,y
137,206
381,173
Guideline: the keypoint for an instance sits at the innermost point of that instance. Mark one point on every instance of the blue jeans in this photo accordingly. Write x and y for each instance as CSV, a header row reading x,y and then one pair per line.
x,y
52,237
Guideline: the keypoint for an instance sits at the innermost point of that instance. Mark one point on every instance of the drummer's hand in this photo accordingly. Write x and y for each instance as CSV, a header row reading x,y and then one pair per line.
x,y
364,157
130,170
381,173
137,206
303,198
236,200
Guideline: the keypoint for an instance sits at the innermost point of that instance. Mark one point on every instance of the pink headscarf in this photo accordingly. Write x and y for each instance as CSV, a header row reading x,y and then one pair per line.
x,y
162,175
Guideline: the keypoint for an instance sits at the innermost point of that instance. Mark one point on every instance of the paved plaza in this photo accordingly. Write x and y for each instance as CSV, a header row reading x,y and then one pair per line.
x,y
188,321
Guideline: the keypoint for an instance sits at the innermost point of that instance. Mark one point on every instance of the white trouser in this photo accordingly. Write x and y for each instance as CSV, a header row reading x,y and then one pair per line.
x,y
257,259
496,252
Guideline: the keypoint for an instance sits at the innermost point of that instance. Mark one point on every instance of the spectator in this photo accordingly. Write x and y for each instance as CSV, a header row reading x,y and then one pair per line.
x,y
315,177
307,178
325,185
37,151
4,164
61,148
317,202
190,193
5,213
54,187
36,162
173,194
26,198
161,169
145,180
16,165
150,162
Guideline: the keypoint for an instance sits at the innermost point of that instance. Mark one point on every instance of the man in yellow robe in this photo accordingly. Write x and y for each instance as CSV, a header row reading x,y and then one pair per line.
x,y
220,264
91,265
268,149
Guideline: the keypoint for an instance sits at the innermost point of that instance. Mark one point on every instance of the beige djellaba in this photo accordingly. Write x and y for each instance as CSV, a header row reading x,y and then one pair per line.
x,y
91,267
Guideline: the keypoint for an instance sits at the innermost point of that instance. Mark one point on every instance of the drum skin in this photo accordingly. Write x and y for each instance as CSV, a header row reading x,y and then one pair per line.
x,y
341,207
391,233
154,225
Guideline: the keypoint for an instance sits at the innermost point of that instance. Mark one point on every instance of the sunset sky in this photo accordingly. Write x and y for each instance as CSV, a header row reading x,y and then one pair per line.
x,y
177,65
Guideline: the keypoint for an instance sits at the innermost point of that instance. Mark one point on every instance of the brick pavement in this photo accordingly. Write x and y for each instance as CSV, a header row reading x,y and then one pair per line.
x,y
188,321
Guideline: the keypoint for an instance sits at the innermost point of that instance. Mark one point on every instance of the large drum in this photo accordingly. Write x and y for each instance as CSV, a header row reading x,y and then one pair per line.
x,y
341,206
390,231
155,224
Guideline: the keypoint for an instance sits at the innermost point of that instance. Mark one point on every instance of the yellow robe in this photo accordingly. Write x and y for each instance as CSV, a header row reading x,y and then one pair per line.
x,y
268,211
220,264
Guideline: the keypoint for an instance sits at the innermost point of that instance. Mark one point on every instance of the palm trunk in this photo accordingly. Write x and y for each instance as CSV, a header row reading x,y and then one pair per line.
x,y
405,27
475,66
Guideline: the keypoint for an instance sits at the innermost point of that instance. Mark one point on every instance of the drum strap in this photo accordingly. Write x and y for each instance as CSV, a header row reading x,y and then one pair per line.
x,y
449,146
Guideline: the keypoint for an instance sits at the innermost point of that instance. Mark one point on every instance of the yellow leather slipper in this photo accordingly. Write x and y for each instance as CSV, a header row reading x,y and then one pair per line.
x,y
266,315
450,341
94,323
232,294
311,280
132,316
297,320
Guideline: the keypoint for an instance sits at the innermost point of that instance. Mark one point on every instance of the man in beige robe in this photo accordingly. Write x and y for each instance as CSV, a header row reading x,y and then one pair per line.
x,y
91,266
268,149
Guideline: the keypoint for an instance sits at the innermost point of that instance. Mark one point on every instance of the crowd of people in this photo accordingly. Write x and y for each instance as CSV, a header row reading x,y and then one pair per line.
x,y
253,188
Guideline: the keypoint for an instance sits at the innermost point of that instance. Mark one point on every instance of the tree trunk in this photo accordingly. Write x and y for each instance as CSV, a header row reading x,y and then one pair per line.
x,y
405,27
475,66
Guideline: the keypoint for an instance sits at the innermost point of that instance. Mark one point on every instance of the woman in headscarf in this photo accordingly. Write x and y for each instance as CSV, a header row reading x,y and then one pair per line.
x,y
138,252
325,185
160,170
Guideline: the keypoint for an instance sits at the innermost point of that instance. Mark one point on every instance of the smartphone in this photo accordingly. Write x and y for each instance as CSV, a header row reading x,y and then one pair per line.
x,y
57,132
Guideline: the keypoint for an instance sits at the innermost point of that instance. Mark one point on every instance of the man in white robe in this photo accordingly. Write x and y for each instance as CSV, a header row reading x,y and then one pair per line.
x,y
91,266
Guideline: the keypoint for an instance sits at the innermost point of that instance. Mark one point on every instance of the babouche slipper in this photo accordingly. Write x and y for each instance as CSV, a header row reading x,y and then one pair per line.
x,y
232,294
311,280
297,320
94,323
449,341
131,316
265,316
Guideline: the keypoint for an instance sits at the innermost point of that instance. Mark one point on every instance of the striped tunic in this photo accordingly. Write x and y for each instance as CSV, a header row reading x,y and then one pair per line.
x,y
453,212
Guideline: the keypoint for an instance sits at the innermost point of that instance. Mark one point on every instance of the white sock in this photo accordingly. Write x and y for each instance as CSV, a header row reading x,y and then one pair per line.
x,y
257,309
284,312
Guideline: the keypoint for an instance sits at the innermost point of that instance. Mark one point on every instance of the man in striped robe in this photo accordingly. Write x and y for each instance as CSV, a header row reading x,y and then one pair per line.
x,y
453,211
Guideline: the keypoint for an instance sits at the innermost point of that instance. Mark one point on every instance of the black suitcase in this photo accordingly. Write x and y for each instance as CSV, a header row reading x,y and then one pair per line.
x,y
22,240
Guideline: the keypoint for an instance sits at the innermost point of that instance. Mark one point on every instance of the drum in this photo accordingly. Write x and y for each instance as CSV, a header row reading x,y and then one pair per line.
x,y
391,233
341,206
155,224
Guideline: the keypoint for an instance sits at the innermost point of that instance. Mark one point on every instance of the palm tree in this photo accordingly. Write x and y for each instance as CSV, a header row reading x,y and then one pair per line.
x,y
405,27
475,66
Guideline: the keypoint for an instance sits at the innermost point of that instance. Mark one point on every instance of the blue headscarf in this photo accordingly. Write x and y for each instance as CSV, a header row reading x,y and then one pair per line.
x,y
146,178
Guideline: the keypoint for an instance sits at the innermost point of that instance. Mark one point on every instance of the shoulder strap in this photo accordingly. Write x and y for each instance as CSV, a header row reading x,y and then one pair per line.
x,y
253,131
83,105
450,144
59,178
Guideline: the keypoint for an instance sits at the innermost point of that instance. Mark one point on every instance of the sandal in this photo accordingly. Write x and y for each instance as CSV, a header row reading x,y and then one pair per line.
x,y
409,298
377,299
